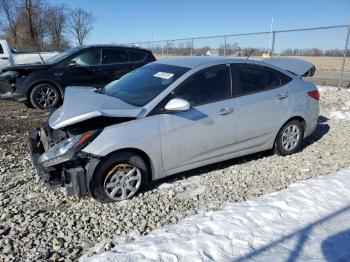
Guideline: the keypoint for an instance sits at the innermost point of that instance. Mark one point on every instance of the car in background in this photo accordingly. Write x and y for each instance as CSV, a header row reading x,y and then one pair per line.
x,y
9,56
43,85
171,116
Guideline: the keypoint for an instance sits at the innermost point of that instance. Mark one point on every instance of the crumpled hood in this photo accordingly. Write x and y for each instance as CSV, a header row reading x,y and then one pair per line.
x,y
25,67
82,103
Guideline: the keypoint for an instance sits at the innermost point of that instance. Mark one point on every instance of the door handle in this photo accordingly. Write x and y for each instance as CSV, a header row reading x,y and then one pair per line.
x,y
4,58
282,95
225,111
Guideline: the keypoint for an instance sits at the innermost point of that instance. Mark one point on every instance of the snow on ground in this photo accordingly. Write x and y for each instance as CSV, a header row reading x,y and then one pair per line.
x,y
310,220
330,88
343,113
339,111
327,88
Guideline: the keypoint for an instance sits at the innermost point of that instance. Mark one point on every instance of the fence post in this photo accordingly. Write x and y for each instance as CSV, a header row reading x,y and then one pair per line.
x,y
167,49
340,83
225,38
273,43
191,46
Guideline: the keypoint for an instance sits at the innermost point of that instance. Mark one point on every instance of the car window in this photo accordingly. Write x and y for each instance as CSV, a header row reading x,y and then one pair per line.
x,y
207,86
1,49
88,58
256,79
284,78
145,83
63,55
137,55
112,55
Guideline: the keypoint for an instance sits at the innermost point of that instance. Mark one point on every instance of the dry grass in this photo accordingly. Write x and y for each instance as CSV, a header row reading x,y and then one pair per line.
x,y
323,63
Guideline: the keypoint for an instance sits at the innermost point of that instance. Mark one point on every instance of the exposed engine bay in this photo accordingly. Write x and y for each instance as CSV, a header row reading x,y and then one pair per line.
x,y
73,175
50,137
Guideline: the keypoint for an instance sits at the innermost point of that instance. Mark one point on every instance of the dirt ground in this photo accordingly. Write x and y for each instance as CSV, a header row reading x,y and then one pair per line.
x,y
16,117
41,225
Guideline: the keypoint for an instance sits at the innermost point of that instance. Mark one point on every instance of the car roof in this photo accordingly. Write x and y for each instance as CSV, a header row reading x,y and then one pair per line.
x,y
194,61
113,45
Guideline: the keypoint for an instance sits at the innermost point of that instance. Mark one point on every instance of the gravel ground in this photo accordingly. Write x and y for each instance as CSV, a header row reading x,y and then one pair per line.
x,y
38,225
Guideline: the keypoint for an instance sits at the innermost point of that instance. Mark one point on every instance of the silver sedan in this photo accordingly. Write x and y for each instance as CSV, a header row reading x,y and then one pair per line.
x,y
171,116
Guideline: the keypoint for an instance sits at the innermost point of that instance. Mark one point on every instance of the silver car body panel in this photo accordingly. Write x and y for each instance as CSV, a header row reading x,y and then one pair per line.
x,y
296,66
176,142
84,103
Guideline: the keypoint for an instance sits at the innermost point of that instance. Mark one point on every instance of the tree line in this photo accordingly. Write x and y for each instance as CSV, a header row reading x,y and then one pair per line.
x,y
233,49
37,25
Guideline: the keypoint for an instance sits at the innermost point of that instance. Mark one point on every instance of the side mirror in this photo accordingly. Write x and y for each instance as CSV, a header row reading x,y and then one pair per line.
x,y
177,105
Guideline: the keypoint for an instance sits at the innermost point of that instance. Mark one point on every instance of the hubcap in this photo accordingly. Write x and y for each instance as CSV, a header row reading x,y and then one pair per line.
x,y
46,97
122,182
290,137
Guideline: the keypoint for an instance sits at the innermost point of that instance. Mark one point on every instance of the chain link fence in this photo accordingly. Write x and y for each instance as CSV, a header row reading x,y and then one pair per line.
x,y
326,47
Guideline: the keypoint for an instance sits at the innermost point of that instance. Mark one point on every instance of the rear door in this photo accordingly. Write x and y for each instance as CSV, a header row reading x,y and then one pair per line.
x,y
208,129
263,104
139,58
115,64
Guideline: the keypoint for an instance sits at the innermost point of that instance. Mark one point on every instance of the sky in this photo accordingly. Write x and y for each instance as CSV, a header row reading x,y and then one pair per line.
x,y
136,20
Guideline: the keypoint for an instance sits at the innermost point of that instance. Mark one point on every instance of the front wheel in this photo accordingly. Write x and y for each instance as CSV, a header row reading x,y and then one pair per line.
x,y
44,96
289,138
119,177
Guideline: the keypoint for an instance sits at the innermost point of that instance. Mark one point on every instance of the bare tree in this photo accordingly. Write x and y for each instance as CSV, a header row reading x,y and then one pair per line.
x,y
10,9
56,22
33,22
80,24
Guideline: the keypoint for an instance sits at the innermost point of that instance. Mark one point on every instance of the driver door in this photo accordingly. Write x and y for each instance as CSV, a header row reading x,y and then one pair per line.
x,y
208,129
84,69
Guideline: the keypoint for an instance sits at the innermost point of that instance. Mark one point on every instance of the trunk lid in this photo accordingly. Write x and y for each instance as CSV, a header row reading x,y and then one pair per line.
x,y
295,66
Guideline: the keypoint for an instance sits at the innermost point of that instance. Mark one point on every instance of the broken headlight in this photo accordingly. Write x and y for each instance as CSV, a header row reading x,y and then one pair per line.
x,y
66,150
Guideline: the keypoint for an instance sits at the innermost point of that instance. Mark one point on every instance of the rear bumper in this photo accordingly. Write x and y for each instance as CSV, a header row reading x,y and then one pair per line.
x,y
70,176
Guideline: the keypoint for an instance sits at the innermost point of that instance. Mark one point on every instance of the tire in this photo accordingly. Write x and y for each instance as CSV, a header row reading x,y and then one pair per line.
x,y
110,175
289,138
45,96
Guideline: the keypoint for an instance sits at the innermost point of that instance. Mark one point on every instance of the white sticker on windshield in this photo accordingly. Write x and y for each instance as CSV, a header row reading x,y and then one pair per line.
x,y
164,75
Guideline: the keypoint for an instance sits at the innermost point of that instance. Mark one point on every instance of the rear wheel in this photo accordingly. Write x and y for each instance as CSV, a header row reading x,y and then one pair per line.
x,y
289,138
119,177
44,96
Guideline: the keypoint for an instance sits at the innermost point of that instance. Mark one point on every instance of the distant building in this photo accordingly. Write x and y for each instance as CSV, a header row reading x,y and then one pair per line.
x,y
212,52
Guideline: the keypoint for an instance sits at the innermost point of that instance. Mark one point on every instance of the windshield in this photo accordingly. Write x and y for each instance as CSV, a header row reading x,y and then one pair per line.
x,y
142,85
61,56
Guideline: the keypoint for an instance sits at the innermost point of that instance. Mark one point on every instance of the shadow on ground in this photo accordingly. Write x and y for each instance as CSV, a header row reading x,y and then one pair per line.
x,y
335,245
334,248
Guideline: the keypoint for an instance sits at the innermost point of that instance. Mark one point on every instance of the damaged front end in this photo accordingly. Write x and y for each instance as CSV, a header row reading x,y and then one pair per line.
x,y
8,84
12,80
58,158
61,164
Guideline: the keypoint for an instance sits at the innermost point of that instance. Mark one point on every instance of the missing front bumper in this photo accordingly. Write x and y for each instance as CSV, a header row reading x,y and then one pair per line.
x,y
73,178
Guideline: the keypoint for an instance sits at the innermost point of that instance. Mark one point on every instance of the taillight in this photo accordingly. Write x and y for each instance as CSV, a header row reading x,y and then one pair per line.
x,y
314,94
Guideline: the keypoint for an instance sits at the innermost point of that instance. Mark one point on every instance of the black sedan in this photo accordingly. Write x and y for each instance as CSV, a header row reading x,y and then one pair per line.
x,y
43,85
